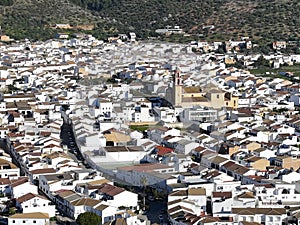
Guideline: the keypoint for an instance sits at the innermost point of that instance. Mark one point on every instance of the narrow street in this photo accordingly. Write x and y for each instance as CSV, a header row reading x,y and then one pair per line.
x,y
68,139
156,212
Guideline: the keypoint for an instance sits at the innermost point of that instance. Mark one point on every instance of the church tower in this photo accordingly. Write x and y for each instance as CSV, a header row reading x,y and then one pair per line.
x,y
177,88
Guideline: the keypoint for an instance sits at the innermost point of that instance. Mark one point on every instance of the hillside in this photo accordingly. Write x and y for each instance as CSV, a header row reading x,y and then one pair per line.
x,y
33,18
268,19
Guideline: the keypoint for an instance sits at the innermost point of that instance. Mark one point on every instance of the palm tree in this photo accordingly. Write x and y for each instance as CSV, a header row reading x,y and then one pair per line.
x,y
144,182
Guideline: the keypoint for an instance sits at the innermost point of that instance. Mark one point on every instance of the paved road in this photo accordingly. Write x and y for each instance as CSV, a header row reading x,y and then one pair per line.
x,y
157,208
68,139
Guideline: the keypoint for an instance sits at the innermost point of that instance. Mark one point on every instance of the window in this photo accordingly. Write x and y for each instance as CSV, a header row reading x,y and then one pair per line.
x,y
24,221
13,221
218,96
34,221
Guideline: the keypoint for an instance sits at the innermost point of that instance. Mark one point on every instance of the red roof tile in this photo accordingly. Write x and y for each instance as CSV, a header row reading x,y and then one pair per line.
x,y
163,150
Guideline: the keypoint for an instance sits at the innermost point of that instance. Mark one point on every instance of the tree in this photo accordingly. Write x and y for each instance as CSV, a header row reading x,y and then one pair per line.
x,y
261,62
88,218
144,182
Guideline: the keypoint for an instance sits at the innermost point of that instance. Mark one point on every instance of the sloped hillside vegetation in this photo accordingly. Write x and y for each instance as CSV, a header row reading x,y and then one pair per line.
x,y
209,19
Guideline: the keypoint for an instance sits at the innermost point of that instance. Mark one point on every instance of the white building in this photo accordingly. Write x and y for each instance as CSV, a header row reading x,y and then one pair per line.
x,y
165,114
101,107
31,203
36,218
200,114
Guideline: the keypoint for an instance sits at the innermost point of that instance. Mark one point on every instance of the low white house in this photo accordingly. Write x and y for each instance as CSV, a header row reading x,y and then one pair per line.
x,y
221,203
21,187
8,169
116,155
114,196
35,203
268,216
185,146
36,218
154,175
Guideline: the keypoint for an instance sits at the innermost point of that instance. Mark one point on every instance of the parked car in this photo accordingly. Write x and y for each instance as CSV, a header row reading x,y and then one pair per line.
x,y
160,217
151,198
159,199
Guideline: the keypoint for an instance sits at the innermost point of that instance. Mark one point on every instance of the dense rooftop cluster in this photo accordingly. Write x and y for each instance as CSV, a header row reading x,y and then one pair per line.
x,y
80,118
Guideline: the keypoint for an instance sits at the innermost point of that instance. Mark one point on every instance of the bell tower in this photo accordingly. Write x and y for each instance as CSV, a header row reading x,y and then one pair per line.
x,y
177,87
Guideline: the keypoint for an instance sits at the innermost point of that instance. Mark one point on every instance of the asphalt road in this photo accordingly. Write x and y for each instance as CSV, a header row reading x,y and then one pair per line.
x,y
157,208
68,139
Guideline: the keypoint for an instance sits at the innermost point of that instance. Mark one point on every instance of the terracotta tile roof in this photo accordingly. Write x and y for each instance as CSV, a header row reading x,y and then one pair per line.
x,y
196,191
179,193
101,207
110,190
208,152
238,169
219,159
192,89
253,159
268,185
86,202
178,208
228,164
199,149
55,155
210,220
253,211
174,201
51,146
225,194
163,129
35,215
168,137
64,192
211,174
98,182
43,171
163,150
19,181
148,143
4,181
117,137
123,149
247,195
29,196
35,153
